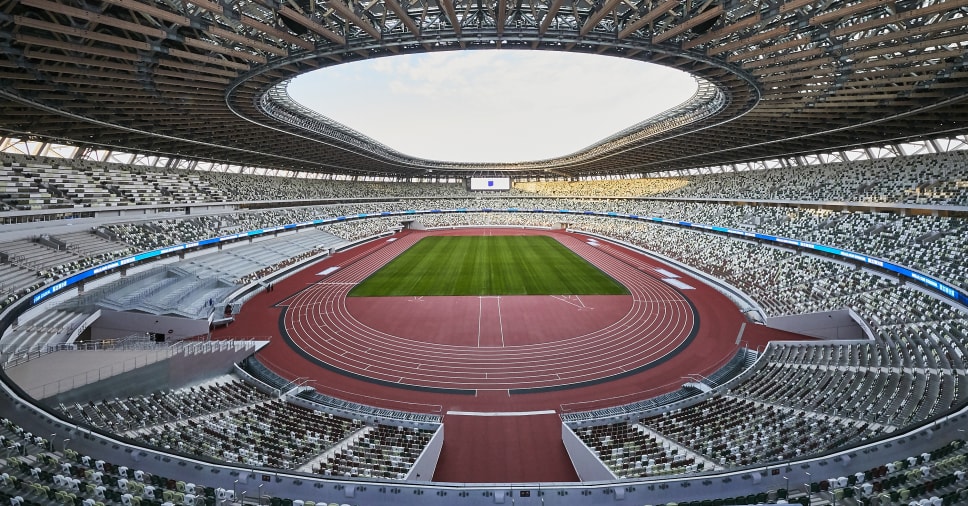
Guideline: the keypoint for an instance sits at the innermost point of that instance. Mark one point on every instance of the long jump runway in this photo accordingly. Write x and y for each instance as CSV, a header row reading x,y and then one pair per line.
x,y
514,343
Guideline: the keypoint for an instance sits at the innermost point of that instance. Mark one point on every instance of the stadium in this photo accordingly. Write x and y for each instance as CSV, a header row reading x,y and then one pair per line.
x,y
212,295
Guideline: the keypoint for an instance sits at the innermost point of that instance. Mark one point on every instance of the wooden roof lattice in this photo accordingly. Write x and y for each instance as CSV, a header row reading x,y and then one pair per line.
x,y
205,79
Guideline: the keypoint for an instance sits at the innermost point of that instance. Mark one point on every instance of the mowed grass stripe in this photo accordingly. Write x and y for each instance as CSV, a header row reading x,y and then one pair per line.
x,y
487,265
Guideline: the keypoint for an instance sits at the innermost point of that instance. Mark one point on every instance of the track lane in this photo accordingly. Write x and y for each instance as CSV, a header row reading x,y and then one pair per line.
x,y
660,320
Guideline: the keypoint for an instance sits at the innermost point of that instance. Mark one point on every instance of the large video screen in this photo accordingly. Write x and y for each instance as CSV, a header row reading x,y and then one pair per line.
x,y
491,183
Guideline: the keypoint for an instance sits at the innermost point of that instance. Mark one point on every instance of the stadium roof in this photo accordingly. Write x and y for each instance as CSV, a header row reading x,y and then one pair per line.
x,y
206,79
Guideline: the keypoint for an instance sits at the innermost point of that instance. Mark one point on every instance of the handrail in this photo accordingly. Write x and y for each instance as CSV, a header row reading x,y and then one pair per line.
x,y
727,367
410,408
20,356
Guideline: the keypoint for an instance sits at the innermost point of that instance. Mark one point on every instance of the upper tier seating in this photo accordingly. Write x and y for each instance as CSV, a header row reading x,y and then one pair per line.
x,y
932,179
53,183
917,354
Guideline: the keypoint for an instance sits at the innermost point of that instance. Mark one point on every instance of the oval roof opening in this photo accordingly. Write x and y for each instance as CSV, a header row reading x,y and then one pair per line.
x,y
492,105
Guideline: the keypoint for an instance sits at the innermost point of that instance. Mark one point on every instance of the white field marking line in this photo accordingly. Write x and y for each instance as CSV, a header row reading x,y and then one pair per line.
x,y
501,413
678,315
449,382
565,299
480,313
500,321
367,336
374,336
385,251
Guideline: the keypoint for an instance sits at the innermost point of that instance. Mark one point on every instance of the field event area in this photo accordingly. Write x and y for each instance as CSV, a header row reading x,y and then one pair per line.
x,y
487,265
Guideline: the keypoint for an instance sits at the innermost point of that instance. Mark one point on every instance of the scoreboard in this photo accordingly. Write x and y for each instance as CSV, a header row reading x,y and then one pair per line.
x,y
490,183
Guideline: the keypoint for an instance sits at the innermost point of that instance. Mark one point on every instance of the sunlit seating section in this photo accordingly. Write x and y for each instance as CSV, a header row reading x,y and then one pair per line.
x,y
48,183
176,187
630,452
939,179
931,179
241,187
218,394
78,186
383,451
22,189
619,187
487,219
137,186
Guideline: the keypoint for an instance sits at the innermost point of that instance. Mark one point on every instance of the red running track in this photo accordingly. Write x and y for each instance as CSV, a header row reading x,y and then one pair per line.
x,y
500,448
489,342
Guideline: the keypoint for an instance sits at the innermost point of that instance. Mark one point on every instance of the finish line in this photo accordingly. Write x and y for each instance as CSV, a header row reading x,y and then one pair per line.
x,y
502,413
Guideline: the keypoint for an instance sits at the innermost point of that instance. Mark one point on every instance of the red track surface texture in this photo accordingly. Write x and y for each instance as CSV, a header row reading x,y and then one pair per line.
x,y
490,343
507,355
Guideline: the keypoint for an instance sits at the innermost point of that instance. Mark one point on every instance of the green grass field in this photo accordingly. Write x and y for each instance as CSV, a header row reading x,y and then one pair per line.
x,y
487,265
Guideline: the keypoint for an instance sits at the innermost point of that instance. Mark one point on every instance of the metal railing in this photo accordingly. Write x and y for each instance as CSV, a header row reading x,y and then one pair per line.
x,y
714,376
410,412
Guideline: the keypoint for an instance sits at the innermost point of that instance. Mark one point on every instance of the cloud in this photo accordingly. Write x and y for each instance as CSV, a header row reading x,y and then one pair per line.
x,y
492,105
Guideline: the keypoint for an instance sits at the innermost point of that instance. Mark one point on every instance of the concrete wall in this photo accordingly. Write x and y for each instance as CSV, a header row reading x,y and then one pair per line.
x,y
166,373
423,469
63,371
83,327
118,324
586,463
822,325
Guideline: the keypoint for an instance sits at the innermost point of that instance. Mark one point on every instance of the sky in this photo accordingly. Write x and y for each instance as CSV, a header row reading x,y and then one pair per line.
x,y
491,105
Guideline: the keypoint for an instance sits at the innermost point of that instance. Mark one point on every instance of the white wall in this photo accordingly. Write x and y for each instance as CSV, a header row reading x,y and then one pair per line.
x,y
822,325
117,324
586,463
423,469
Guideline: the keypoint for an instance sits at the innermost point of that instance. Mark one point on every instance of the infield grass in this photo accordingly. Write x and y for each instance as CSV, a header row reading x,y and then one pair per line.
x,y
487,265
